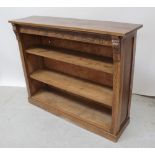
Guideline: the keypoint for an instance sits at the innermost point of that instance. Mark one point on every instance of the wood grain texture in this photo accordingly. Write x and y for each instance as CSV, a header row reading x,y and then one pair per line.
x,y
75,86
29,64
91,26
64,56
80,70
78,46
127,49
132,71
75,108
68,35
80,122
89,74
116,104
124,51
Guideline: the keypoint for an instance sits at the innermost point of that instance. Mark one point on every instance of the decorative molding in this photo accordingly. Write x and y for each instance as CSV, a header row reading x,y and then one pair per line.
x,y
116,48
15,30
69,35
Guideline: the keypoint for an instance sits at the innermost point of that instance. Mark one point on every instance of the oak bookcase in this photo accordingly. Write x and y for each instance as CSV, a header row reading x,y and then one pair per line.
x,y
81,70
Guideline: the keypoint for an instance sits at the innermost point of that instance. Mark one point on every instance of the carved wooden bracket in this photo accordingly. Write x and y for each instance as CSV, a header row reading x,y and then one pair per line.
x,y
15,30
116,48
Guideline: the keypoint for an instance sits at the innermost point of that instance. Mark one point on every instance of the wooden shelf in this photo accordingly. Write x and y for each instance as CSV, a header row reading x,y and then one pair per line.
x,y
76,109
75,86
62,55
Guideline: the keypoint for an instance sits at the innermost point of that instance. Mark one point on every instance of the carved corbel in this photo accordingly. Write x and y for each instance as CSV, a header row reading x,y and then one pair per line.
x,y
15,30
116,48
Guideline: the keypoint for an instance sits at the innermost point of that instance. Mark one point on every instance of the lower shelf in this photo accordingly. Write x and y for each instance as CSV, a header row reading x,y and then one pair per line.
x,y
75,86
74,109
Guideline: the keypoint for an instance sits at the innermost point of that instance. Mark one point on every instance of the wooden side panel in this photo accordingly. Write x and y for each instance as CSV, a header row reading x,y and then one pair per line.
x,y
29,63
132,70
79,25
70,57
122,83
129,55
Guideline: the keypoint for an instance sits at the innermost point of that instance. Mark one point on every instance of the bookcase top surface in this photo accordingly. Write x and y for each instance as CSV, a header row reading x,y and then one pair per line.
x,y
90,26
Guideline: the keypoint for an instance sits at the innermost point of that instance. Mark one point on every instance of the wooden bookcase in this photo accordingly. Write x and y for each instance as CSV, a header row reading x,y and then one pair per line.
x,y
81,70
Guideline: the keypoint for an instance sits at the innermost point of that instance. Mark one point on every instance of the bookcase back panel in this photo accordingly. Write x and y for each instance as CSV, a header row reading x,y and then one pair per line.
x,y
80,72
33,64
128,48
100,50
85,50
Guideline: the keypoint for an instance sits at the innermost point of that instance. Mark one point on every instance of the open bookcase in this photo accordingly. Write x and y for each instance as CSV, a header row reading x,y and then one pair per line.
x,y
80,70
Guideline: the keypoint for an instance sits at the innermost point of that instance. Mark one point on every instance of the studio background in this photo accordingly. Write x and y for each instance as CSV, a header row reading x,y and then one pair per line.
x,y
11,73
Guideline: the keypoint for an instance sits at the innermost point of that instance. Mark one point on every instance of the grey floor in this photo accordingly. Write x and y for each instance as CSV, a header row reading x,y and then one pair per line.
x,y
24,125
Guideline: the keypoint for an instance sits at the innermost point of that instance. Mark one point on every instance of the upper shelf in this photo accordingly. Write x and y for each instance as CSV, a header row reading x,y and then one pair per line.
x,y
62,55
90,26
